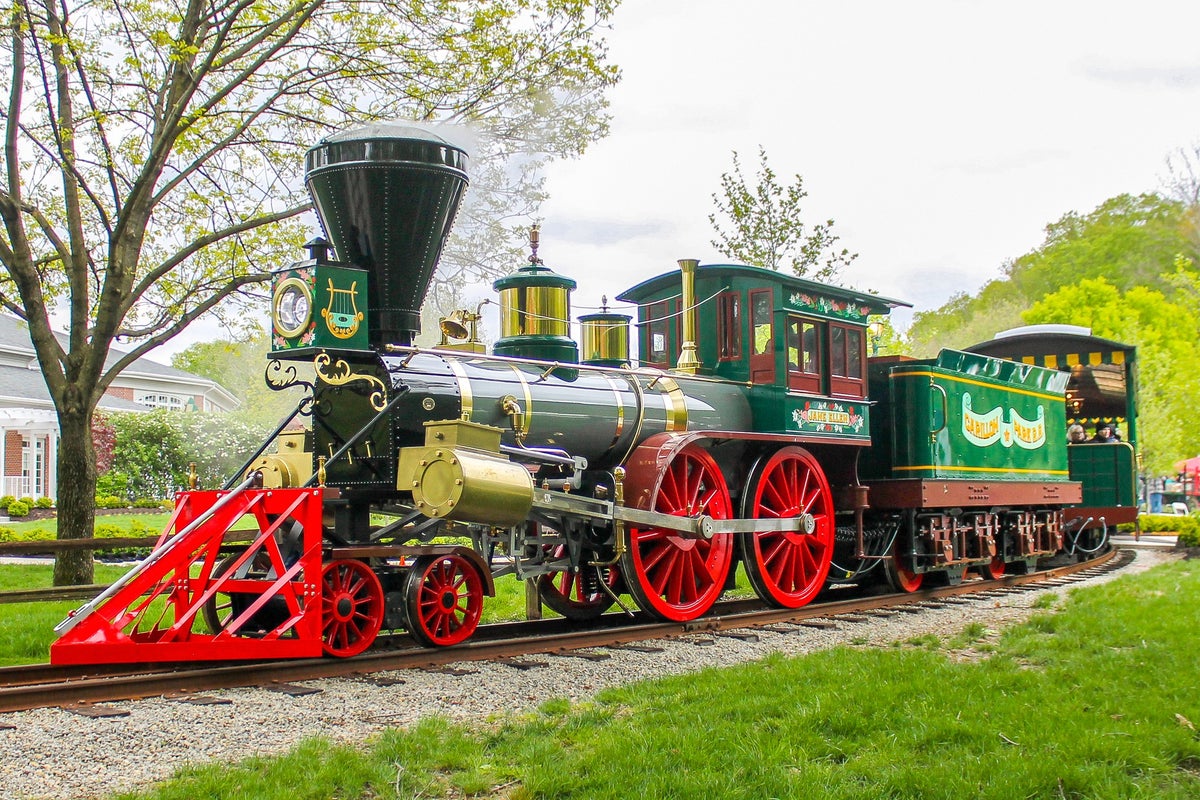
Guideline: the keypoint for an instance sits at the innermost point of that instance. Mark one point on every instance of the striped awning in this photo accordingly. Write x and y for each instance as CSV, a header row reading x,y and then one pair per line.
x,y
1066,360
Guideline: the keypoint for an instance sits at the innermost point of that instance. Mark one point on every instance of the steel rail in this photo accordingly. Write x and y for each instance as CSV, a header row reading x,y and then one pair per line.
x,y
45,685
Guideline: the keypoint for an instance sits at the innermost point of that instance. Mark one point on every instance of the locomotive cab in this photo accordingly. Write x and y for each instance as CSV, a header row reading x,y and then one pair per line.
x,y
798,344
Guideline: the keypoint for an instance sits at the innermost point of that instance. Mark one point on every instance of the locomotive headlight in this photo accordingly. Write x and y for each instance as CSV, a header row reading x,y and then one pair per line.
x,y
293,307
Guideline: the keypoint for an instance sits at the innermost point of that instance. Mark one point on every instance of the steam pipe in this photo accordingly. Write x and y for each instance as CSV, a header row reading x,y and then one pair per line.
x,y
688,361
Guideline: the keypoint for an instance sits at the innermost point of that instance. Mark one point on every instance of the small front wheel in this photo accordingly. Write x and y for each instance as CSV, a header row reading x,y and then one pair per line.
x,y
353,605
443,597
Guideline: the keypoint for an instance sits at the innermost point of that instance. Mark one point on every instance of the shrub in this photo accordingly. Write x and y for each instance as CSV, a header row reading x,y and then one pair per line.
x,y
145,502
27,500
112,483
5,500
35,535
1190,538
111,501
153,450
44,502
18,508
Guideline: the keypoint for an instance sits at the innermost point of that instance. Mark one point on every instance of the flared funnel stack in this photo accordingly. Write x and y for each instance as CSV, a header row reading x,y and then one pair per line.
x,y
387,195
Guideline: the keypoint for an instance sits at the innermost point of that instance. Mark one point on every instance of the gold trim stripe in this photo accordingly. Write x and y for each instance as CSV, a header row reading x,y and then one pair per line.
x,y
928,374
983,469
620,423
464,388
675,405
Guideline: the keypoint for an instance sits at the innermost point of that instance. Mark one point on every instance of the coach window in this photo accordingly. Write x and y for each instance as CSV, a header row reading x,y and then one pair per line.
x,y
729,326
804,354
846,356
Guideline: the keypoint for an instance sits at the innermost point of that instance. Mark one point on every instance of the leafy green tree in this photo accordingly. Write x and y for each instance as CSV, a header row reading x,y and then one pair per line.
x,y
152,154
965,320
1129,240
766,228
239,365
1166,334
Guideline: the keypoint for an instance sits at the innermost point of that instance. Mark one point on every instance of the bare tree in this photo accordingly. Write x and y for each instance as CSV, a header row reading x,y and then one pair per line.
x,y
152,154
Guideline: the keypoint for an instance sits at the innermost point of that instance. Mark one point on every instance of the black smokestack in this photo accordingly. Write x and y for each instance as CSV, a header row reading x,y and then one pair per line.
x,y
387,195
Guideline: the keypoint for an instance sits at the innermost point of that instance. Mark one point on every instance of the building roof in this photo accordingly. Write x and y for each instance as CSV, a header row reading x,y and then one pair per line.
x,y
18,384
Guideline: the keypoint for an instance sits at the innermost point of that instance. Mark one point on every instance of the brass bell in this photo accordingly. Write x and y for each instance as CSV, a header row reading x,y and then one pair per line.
x,y
454,326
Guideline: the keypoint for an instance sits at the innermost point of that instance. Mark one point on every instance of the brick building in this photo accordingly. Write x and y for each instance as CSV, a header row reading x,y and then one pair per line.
x,y
29,426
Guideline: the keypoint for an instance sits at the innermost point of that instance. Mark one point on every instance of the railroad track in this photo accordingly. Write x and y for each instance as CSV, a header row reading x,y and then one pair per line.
x,y
46,685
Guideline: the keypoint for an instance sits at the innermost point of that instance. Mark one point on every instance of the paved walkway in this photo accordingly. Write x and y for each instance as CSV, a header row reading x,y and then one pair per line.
x,y
1153,540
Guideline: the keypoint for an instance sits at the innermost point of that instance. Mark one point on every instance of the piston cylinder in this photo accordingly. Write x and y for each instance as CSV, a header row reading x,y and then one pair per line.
x,y
467,486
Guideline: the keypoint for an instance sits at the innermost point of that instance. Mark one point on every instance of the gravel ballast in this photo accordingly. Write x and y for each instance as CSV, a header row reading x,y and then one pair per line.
x,y
51,753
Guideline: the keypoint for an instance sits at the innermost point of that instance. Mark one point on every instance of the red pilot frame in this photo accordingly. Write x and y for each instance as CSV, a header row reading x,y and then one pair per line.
x,y
187,602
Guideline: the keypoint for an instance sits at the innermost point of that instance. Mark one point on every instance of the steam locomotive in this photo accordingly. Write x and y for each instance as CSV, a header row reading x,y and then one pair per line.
x,y
770,441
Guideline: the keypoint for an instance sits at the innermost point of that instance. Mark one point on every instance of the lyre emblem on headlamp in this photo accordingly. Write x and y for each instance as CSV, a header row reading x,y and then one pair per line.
x,y
341,315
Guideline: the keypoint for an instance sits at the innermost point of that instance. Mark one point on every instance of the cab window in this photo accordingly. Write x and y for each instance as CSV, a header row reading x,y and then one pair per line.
x,y
762,336
804,354
847,353
729,326
657,344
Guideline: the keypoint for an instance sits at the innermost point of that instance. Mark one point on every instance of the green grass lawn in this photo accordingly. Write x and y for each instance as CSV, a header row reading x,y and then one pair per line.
x,y
27,629
1097,699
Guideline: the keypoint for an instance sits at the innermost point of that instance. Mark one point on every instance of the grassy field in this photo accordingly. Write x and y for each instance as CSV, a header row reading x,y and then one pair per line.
x,y
1095,699
27,629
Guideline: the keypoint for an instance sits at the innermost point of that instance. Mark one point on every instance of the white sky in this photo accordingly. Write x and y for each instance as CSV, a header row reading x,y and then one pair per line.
x,y
942,137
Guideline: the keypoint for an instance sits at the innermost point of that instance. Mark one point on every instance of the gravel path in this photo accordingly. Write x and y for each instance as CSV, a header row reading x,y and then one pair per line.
x,y
51,753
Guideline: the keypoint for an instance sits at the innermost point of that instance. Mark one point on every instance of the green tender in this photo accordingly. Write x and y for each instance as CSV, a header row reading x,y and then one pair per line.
x,y
963,415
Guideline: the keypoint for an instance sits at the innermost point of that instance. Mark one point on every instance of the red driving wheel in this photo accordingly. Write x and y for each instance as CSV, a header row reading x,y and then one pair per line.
x,y
671,576
788,568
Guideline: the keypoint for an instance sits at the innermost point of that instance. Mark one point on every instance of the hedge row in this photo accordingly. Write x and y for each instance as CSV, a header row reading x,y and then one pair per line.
x,y
1186,528
103,530
21,506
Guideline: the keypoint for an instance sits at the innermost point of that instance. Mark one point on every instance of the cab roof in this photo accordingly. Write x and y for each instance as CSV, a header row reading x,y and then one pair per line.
x,y
653,286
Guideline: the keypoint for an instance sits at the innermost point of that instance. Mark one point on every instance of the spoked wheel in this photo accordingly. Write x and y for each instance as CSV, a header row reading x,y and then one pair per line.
x,y
352,598
993,570
900,574
579,595
224,607
788,568
670,576
444,599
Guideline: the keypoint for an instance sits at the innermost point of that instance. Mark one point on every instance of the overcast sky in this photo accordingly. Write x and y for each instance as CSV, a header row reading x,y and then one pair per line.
x,y
941,137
